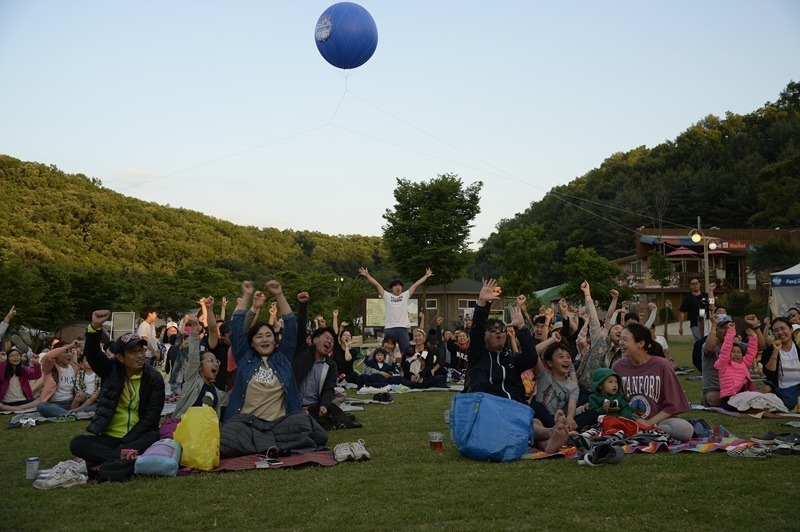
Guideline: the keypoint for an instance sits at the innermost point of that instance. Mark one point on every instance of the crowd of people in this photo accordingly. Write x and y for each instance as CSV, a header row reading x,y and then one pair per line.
x,y
568,364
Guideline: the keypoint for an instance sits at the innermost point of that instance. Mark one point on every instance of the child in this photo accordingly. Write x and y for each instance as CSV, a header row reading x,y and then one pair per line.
x,y
556,389
86,387
733,367
607,398
376,370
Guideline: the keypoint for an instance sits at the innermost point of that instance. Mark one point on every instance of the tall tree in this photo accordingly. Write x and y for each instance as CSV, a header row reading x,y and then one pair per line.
x,y
429,227
586,264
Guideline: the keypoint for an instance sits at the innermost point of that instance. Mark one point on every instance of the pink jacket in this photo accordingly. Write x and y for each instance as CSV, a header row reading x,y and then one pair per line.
x,y
733,375
48,365
28,374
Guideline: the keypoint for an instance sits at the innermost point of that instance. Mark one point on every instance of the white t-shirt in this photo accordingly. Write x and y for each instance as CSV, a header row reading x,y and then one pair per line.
x,y
663,341
90,381
790,366
148,332
396,309
66,380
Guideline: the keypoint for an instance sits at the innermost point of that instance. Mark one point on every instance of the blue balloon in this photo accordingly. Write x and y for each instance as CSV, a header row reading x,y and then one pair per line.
x,y
346,35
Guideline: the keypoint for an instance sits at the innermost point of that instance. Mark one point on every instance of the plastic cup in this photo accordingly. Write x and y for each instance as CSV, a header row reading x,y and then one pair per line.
x,y
435,441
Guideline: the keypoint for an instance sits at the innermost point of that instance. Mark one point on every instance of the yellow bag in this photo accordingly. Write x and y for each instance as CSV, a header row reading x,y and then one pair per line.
x,y
198,434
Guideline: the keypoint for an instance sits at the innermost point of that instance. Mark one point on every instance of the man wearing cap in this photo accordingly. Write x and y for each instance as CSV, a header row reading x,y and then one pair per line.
x,y
131,399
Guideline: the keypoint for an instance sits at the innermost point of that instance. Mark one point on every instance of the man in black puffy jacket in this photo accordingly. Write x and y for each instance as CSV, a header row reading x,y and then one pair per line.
x,y
131,399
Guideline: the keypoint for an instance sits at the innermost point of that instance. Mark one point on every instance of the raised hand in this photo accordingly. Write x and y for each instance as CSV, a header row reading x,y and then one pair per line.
x,y
562,304
224,301
751,320
335,313
274,287
487,291
273,308
363,272
521,300
585,288
614,293
345,323
99,317
556,336
516,318
209,303
428,273
439,320
651,305
421,315
10,315
302,297
712,287
259,299
247,288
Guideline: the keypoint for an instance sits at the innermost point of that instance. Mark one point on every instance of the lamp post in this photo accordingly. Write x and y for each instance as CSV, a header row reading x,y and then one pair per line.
x,y
708,243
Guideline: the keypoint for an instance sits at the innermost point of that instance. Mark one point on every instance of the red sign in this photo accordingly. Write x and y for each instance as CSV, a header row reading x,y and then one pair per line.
x,y
735,244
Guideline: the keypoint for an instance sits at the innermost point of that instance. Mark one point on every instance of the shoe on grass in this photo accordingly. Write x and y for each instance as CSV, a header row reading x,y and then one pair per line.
x,y
766,439
603,453
343,453
62,475
749,451
66,417
791,439
359,451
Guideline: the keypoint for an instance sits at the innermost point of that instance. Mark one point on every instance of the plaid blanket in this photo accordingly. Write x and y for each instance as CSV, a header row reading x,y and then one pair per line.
x,y
720,440
750,413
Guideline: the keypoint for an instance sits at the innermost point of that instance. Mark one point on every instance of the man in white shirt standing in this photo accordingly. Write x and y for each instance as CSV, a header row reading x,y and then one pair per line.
x,y
147,331
396,303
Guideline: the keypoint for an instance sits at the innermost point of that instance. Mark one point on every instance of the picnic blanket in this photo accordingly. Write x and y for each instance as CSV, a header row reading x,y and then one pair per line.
x,y
719,440
758,414
399,388
240,463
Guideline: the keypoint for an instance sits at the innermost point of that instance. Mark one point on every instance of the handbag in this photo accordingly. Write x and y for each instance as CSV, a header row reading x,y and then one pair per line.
x,y
488,427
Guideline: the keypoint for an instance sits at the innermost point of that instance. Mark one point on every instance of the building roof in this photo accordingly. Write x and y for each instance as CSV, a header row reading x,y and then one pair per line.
x,y
461,286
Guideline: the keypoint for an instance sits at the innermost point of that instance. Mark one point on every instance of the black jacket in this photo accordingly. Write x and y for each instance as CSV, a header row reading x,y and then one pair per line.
x,y
497,373
113,374
301,366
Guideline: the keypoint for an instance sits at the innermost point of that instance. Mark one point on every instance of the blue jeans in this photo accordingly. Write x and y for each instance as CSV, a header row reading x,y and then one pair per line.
x,y
401,333
787,395
60,408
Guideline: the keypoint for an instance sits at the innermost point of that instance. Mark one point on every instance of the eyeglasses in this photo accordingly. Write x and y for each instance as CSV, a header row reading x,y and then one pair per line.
x,y
496,328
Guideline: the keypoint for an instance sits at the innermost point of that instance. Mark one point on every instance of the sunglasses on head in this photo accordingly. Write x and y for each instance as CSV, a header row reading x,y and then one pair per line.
x,y
496,328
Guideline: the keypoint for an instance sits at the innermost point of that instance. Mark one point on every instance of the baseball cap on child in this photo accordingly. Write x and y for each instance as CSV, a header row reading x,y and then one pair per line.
x,y
722,319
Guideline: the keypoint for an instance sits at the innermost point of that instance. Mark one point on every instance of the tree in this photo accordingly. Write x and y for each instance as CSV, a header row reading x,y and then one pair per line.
x,y
521,252
773,255
585,264
661,270
429,226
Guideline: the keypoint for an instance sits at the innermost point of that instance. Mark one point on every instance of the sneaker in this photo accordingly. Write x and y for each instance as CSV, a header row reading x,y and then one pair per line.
x,y
61,476
749,451
766,439
791,439
66,417
359,452
785,449
343,453
602,454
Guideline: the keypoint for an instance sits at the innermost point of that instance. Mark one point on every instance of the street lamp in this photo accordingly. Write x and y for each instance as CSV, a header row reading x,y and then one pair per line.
x,y
708,243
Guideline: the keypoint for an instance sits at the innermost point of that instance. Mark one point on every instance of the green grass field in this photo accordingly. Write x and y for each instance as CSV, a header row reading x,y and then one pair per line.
x,y
406,485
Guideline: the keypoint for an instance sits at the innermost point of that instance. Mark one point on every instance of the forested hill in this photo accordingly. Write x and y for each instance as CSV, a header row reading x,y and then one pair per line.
x,y
67,244
52,216
737,171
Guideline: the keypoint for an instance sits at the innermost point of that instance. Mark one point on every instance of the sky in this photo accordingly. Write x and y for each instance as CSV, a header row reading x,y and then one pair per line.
x,y
227,107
